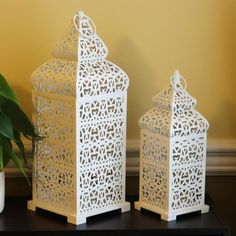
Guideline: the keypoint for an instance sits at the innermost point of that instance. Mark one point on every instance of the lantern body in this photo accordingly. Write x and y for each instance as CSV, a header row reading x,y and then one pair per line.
x,y
173,155
80,102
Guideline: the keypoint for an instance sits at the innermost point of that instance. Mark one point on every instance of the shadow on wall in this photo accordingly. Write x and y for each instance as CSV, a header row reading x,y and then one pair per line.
x,y
143,83
25,98
221,128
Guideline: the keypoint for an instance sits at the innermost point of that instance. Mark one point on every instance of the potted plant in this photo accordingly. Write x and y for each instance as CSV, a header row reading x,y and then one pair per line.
x,y
13,125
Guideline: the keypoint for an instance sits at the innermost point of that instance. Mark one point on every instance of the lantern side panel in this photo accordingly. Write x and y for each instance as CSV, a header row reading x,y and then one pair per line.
x,y
96,120
101,127
67,46
54,160
56,76
189,122
188,172
154,170
92,47
101,187
169,99
157,120
101,154
99,78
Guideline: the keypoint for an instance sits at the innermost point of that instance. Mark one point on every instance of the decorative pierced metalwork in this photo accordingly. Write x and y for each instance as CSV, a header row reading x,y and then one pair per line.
x,y
80,102
173,154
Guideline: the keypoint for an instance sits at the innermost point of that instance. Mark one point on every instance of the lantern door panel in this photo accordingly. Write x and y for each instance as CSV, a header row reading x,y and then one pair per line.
x,y
153,171
54,162
101,150
188,172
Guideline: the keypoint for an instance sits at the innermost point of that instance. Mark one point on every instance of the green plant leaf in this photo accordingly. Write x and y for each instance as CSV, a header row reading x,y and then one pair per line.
x,y
6,159
7,150
4,156
20,144
13,124
6,128
1,157
6,91
19,120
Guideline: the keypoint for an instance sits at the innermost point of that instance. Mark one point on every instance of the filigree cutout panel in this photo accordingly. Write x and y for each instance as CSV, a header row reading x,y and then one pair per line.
x,y
153,170
101,150
100,187
100,78
187,187
101,113
56,76
188,172
54,161
188,151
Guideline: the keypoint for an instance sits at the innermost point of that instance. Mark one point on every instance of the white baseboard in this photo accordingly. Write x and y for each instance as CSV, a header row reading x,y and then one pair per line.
x,y
221,158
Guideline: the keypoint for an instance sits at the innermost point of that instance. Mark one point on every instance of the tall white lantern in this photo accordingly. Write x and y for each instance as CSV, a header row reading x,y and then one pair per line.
x,y
80,101
173,154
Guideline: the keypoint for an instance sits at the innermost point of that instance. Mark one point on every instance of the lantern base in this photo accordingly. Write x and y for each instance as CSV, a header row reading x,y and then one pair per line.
x,y
79,218
170,216
82,218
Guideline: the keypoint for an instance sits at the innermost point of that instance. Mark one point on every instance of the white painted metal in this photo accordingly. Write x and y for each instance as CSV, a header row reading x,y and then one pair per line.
x,y
2,190
80,109
173,154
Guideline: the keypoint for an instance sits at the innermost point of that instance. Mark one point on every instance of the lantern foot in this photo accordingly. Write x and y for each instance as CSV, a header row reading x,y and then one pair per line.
x,y
168,217
205,209
125,207
137,206
31,206
81,219
76,220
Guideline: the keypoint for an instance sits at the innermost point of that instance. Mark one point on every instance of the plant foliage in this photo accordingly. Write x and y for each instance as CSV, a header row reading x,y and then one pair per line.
x,y
13,124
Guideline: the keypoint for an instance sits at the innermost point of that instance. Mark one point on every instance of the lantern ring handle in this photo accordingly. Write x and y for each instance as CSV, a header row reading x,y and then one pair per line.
x,y
176,83
81,15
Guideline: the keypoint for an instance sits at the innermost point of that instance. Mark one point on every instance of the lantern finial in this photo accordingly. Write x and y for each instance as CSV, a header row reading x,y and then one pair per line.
x,y
90,28
81,14
175,81
177,75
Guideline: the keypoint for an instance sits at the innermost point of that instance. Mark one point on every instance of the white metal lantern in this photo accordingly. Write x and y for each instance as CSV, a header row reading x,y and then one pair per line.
x,y
80,102
173,154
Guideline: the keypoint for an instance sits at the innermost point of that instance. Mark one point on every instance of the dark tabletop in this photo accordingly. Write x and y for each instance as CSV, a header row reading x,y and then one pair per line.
x,y
16,219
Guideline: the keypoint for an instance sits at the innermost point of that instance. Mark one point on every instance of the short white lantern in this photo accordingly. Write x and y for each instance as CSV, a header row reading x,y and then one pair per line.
x,y
80,101
173,154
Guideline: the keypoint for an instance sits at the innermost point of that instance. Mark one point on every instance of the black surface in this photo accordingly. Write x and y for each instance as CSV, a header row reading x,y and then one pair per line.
x,y
17,220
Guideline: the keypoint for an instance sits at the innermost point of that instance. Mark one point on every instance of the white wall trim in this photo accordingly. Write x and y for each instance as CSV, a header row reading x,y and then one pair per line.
x,y
221,158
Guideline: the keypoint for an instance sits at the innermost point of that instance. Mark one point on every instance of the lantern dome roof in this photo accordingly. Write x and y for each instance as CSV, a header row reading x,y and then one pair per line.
x,y
80,41
173,113
79,61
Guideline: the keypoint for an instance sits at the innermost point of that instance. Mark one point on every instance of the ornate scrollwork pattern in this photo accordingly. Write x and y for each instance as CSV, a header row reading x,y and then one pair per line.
x,y
100,187
187,187
154,153
154,185
54,162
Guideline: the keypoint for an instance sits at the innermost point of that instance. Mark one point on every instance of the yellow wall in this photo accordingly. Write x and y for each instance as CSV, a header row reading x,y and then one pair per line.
x,y
148,39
